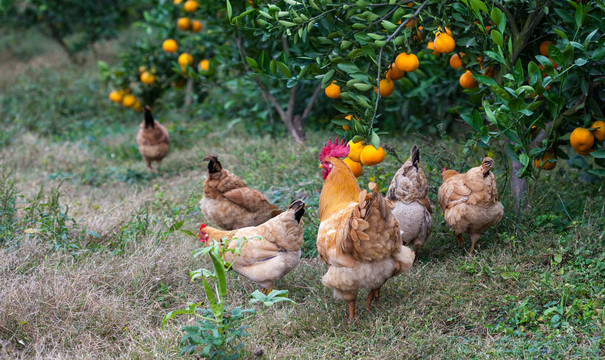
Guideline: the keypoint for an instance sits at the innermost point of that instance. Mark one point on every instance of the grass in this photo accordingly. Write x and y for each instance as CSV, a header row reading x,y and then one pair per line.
x,y
89,265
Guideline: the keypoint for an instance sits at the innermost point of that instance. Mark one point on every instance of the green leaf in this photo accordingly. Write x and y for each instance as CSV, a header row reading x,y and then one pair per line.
x,y
524,159
176,226
362,87
211,299
327,78
251,62
561,34
375,140
219,270
598,154
284,68
229,10
348,67
496,15
598,53
489,112
479,5
273,66
399,40
389,26
598,172
485,80
497,38
495,56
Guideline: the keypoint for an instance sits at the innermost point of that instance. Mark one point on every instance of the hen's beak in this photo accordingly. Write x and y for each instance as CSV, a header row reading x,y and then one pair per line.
x,y
320,166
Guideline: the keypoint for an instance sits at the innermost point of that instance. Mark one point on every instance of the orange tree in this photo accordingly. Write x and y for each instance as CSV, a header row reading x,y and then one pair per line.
x,y
220,49
74,25
529,102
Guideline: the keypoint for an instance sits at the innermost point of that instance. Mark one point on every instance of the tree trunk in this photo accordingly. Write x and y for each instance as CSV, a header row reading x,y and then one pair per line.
x,y
518,187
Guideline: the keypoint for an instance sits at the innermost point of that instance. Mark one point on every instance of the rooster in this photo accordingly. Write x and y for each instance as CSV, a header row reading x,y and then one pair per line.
x,y
270,251
470,201
229,203
358,236
152,139
408,194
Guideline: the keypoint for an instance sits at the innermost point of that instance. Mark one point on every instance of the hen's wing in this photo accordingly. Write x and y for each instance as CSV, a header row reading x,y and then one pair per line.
x,y
409,183
250,199
370,232
453,191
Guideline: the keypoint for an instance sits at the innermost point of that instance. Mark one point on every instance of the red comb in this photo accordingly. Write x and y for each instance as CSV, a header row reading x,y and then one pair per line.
x,y
334,149
443,168
202,236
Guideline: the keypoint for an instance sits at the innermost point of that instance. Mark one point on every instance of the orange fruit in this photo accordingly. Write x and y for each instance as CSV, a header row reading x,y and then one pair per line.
x,y
599,133
455,61
467,81
371,156
333,90
141,70
196,26
581,140
585,153
431,46
545,165
147,78
544,47
137,106
190,5
355,150
185,59
183,23
444,43
395,73
204,65
116,96
407,62
355,167
176,2
489,71
170,46
410,4
128,100
387,86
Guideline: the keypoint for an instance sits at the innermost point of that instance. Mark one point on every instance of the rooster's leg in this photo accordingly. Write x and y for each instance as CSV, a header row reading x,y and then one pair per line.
x,y
474,238
370,298
351,310
460,239
148,163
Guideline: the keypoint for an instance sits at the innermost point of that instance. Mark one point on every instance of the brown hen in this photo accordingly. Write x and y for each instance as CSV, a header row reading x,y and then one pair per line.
x,y
229,203
153,139
470,201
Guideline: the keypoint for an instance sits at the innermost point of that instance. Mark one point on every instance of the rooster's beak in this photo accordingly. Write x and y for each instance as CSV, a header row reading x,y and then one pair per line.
x,y
320,166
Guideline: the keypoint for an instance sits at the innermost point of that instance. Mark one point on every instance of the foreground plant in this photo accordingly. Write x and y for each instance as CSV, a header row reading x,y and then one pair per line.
x,y
219,328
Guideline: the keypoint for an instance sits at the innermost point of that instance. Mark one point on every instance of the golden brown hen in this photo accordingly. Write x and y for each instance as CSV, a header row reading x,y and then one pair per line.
x,y
408,195
229,203
470,201
153,139
271,250
358,236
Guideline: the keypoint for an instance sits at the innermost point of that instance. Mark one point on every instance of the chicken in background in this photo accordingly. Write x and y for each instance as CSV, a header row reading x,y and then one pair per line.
x,y
229,203
408,195
271,250
470,201
358,236
152,139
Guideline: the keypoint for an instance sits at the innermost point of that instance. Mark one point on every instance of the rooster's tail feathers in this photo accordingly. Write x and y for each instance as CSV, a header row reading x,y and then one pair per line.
x,y
214,165
149,121
299,209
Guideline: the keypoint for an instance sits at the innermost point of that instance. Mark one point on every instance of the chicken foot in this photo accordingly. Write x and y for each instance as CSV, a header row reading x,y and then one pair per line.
x,y
351,310
373,295
474,238
460,239
267,291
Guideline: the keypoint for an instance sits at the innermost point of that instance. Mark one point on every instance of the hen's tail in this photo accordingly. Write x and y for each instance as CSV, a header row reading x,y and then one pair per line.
x,y
415,156
214,165
299,209
149,121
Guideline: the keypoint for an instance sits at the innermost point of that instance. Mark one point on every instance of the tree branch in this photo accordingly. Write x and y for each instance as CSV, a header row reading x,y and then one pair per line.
x,y
312,100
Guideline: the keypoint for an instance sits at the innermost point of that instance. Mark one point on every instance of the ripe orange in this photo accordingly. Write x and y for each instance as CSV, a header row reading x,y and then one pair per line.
x,y
196,26
183,23
581,140
545,165
355,167
599,133
431,46
489,71
116,96
444,43
185,59
170,46
333,90
147,78
176,2
355,150
407,63
204,65
371,156
190,5
455,61
387,86
395,73
467,81
128,100
544,47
